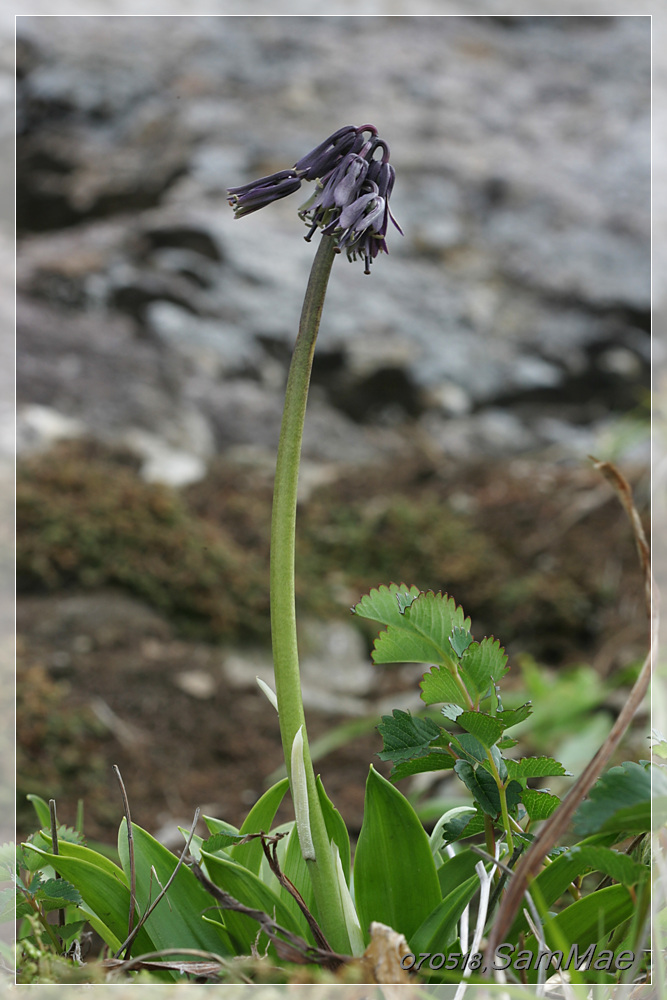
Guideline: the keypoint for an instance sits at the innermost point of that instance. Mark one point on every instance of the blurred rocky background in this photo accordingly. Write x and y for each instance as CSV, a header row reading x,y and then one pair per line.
x,y
457,391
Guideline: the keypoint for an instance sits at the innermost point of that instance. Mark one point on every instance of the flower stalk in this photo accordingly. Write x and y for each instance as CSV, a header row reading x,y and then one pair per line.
x,y
350,205
322,867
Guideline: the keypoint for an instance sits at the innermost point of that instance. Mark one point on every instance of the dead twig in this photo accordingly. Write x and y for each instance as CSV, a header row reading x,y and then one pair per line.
x,y
559,820
270,847
210,965
289,947
130,851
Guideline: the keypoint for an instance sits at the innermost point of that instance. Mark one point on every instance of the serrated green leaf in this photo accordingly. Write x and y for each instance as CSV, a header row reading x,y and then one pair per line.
x,y
438,685
462,826
382,605
395,877
220,826
485,728
506,743
513,716
471,747
405,600
621,867
539,804
177,920
482,786
619,800
405,736
59,889
482,664
68,932
535,767
420,632
460,639
437,760
220,842
452,712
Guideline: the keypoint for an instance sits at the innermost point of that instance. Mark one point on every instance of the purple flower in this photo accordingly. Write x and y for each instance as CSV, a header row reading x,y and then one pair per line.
x,y
351,197
250,197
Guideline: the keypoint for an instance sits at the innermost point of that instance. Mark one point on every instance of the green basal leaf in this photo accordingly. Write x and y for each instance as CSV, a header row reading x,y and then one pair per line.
x,y
260,817
439,930
460,639
395,878
619,800
539,804
70,850
535,767
438,686
405,736
586,921
105,895
482,664
336,829
296,869
456,870
513,716
248,889
177,920
42,809
485,728
436,760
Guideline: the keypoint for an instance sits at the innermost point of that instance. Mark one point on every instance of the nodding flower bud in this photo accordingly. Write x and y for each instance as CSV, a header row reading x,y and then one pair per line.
x,y
351,197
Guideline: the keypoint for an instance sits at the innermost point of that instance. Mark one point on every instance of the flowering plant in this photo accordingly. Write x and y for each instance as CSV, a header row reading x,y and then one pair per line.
x,y
404,905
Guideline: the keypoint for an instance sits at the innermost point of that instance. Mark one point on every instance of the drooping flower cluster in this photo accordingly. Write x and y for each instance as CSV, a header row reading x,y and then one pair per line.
x,y
351,197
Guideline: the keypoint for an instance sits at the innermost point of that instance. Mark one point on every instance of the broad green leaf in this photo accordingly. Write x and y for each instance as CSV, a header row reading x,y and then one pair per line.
x,y
513,716
460,639
587,921
539,804
555,878
93,857
259,818
534,767
248,889
438,686
485,728
436,760
405,736
395,878
619,800
296,869
483,663
336,829
439,930
456,870
106,896
434,617
382,604
42,809
177,921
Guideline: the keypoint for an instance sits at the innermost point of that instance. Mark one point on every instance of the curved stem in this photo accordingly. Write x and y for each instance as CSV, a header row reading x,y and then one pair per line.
x,y
283,616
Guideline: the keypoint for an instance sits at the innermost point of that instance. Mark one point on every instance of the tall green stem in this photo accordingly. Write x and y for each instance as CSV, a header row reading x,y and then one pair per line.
x,y
283,615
